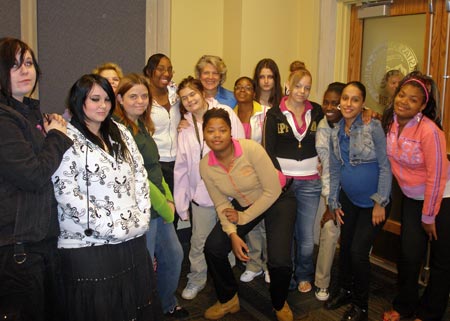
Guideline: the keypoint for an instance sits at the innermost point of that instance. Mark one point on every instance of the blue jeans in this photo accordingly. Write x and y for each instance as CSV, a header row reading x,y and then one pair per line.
x,y
162,242
307,193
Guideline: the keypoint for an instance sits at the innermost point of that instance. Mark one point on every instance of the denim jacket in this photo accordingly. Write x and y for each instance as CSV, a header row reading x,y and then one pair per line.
x,y
367,145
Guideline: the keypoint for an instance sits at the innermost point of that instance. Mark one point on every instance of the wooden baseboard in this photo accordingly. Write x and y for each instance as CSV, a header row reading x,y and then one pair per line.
x,y
385,264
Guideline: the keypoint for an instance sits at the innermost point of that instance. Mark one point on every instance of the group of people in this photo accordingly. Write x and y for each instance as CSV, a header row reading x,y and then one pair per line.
x,y
91,201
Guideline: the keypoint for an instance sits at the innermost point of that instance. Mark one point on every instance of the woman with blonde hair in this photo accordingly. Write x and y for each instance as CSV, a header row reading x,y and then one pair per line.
x,y
111,71
388,85
212,72
293,67
289,138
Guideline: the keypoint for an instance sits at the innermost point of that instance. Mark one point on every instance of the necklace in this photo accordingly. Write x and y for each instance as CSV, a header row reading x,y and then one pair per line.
x,y
347,130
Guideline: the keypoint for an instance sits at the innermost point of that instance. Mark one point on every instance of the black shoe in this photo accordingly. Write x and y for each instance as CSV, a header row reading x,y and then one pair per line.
x,y
177,313
338,299
355,313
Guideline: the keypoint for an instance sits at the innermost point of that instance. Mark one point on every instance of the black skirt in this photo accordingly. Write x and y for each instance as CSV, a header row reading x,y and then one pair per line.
x,y
113,282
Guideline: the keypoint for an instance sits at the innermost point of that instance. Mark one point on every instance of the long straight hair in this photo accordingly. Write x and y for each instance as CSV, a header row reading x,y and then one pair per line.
x,y
276,92
76,101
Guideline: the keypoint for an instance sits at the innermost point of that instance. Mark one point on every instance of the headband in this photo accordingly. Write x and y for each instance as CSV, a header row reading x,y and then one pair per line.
x,y
421,84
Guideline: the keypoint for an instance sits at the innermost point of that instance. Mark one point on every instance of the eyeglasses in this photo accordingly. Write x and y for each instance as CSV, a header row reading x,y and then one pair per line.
x,y
246,88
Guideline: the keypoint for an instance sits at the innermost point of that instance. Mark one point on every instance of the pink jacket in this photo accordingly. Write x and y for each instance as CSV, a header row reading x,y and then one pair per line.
x,y
419,162
188,185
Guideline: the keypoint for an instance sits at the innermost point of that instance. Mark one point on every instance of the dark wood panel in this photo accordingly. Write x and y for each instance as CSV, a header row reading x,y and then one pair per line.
x,y
355,46
392,226
441,21
402,7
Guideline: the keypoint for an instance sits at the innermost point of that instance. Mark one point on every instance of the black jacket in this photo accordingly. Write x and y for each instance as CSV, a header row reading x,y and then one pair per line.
x,y
27,161
279,139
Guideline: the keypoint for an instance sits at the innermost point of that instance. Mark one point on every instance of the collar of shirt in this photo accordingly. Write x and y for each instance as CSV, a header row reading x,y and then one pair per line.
x,y
412,122
284,110
213,161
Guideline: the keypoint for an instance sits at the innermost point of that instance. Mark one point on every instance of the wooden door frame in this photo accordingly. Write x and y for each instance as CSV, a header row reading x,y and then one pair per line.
x,y
442,23
405,7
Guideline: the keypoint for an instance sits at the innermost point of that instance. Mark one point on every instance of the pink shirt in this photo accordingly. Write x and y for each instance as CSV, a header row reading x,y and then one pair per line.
x,y
308,107
247,130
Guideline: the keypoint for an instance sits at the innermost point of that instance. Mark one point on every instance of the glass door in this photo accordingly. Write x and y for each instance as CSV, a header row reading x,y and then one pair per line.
x,y
392,47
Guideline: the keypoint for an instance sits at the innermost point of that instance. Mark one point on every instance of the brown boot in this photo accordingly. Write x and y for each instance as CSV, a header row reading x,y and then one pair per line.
x,y
218,310
285,314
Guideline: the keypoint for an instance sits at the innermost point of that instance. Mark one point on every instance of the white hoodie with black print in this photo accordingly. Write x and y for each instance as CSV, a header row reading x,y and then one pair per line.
x,y
116,192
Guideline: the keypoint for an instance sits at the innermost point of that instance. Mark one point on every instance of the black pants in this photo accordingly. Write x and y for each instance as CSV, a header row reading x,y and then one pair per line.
x,y
357,237
31,291
279,221
434,301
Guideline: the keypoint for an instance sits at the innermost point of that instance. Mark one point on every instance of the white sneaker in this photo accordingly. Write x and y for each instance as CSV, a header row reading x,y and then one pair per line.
x,y
248,276
191,291
322,294
267,276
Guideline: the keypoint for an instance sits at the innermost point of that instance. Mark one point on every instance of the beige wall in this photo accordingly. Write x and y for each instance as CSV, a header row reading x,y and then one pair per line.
x,y
196,29
244,31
